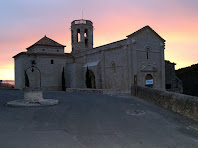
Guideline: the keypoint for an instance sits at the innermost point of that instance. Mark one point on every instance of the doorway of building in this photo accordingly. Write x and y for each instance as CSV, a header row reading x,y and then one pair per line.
x,y
149,81
90,79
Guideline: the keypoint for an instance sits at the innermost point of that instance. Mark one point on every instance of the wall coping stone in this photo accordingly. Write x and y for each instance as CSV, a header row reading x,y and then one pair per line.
x,y
100,91
185,105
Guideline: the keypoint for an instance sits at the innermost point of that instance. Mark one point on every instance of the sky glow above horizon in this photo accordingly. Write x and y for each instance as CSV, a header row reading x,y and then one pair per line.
x,y
22,23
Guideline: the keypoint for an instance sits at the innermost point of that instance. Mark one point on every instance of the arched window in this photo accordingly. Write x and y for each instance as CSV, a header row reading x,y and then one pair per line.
x,y
113,67
86,33
148,50
78,35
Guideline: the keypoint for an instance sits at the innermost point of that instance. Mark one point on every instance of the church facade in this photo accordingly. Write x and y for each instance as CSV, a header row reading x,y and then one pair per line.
x,y
136,60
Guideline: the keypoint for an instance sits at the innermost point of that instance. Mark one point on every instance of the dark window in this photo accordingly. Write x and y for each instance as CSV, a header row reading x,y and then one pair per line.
x,y
148,52
43,49
86,43
114,69
52,61
57,50
168,86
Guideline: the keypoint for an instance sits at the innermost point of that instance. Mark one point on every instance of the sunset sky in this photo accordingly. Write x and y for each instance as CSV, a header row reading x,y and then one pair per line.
x,y
24,22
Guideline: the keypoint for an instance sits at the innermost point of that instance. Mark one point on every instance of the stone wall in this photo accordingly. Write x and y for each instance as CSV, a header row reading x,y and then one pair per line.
x,y
49,65
19,73
183,104
48,49
111,70
99,91
148,58
173,83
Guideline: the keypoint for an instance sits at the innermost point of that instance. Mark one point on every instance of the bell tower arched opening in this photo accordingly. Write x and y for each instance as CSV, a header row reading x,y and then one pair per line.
x,y
82,35
78,35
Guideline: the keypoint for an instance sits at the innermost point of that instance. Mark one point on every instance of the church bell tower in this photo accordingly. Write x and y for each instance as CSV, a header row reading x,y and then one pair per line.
x,y
81,35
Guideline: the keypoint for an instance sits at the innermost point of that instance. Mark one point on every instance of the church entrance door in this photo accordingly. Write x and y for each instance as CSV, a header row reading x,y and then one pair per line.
x,y
149,81
90,79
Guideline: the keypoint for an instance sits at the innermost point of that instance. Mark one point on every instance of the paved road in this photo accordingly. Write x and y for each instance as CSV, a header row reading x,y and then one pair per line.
x,y
92,121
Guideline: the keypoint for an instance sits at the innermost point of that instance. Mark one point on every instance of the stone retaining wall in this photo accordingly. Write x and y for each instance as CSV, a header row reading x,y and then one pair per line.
x,y
183,104
100,91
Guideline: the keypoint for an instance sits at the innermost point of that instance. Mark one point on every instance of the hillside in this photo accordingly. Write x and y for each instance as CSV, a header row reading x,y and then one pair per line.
x,y
189,77
6,84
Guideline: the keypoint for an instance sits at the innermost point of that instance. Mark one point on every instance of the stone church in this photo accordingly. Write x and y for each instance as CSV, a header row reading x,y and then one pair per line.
x,y
136,60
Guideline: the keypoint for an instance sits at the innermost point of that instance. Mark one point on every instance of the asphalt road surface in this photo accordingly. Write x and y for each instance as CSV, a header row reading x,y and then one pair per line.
x,y
93,121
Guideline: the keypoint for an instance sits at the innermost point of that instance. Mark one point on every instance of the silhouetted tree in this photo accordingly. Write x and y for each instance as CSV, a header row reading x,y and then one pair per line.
x,y
88,79
63,80
27,83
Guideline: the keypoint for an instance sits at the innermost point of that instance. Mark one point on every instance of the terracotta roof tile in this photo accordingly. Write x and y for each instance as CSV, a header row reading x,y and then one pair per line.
x,y
44,53
45,41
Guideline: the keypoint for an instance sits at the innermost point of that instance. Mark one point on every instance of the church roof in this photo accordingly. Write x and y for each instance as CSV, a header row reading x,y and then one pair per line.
x,y
144,28
45,41
68,55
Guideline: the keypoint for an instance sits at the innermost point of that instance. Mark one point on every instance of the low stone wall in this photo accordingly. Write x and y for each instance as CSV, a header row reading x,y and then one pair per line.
x,y
99,91
183,104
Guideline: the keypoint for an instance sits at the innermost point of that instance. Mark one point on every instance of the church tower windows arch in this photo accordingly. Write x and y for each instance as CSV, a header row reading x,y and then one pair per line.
x,y
148,52
82,35
113,67
78,35
86,33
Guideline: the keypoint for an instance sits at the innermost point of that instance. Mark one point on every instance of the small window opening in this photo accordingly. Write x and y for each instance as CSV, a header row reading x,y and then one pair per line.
x,y
86,43
113,67
168,86
86,33
57,50
148,52
52,61
78,35
43,49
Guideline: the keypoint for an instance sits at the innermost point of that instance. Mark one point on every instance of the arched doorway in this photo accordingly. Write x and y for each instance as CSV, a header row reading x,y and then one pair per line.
x,y
90,79
149,81
32,76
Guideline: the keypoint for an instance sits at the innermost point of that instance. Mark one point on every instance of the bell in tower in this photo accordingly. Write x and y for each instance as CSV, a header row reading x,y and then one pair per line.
x,y
81,35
